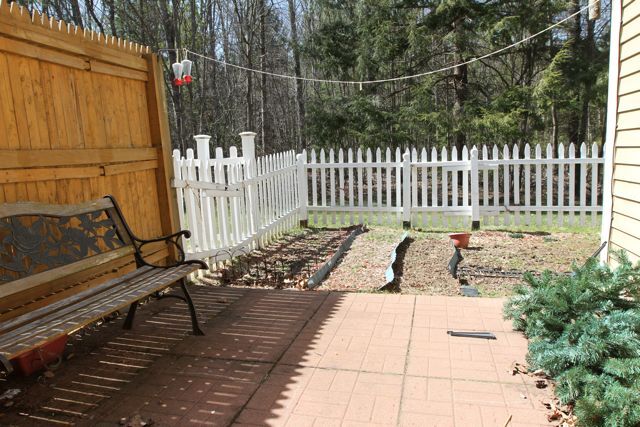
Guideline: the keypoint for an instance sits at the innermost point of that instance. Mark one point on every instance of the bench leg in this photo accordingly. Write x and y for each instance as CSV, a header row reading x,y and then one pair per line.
x,y
192,309
128,323
6,364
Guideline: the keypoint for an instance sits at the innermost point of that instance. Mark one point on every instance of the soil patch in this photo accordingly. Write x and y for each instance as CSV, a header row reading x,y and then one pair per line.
x,y
425,264
424,267
362,268
285,264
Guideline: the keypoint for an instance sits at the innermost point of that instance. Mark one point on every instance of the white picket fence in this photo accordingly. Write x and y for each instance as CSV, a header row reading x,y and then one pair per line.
x,y
426,188
234,204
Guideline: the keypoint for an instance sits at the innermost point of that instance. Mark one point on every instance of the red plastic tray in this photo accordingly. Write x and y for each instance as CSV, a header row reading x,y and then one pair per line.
x,y
37,359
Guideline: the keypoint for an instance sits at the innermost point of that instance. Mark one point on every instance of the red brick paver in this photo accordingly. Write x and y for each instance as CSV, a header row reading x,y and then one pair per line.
x,y
287,358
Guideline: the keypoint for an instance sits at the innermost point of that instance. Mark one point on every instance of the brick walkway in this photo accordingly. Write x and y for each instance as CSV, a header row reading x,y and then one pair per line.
x,y
298,359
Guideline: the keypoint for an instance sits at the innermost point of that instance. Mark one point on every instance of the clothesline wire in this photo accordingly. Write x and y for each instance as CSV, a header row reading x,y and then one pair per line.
x,y
363,82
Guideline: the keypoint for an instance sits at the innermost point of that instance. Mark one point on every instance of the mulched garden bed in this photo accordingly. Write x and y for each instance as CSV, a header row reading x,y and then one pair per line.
x,y
287,263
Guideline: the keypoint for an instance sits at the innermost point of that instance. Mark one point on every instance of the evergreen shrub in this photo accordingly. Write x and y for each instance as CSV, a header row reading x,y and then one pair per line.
x,y
584,331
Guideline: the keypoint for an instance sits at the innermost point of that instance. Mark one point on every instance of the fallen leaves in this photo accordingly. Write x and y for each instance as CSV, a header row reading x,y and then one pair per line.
x,y
541,384
561,413
136,421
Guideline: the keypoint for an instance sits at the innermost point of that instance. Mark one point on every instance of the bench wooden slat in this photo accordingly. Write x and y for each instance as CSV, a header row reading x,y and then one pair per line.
x,y
110,290
24,326
85,311
51,292
35,280
36,208
12,324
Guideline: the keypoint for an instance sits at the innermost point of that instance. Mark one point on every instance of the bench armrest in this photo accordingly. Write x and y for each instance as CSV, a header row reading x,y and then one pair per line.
x,y
171,240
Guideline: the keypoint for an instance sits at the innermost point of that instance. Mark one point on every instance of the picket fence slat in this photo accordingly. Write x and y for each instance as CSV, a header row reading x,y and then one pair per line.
x,y
323,184
435,220
594,183
332,184
424,185
454,184
465,184
572,179
516,184
561,185
527,183
351,192
379,185
496,184
398,173
485,183
506,184
359,171
445,187
342,188
414,179
389,220
314,187
583,182
369,183
538,185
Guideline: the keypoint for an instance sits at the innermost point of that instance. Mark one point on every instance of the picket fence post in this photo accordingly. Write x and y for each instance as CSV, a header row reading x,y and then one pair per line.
x,y
204,175
406,190
302,189
475,190
248,141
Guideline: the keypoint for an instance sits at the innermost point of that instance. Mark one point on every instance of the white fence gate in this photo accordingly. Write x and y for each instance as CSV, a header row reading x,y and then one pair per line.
x,y
234,204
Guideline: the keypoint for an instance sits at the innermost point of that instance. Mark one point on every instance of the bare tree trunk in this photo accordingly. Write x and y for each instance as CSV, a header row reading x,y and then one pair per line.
x,y
461,89
573,121
589,82
76,15
554,126
112,17
299,88
249,95
171,36
89,5
264,125
246,15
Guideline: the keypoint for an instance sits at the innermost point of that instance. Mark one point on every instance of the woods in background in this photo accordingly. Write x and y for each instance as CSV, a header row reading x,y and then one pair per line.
x,y
551,89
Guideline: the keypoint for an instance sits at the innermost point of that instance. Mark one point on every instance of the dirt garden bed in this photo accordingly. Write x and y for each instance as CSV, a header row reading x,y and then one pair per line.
x,y
422,267
287,263
493,263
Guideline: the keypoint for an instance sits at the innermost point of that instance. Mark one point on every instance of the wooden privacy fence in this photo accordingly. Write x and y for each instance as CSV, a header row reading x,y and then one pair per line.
x,y
82,115
426,188
234,204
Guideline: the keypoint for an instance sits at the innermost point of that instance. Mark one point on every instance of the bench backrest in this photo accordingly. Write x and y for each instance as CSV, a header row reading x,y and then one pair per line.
x,y
43,246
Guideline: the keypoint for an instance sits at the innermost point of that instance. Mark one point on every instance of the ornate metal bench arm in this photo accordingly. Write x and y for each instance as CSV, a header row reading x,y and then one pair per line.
x,y
170,240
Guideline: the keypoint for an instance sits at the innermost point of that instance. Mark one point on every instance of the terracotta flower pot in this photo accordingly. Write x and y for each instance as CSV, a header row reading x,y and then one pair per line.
x,y
460,240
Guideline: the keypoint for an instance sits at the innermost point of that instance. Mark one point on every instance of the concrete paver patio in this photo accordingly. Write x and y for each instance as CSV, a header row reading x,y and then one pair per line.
x,y
298,359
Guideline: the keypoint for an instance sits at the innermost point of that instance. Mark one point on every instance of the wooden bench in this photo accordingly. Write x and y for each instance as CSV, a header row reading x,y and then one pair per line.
x,y
63,267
